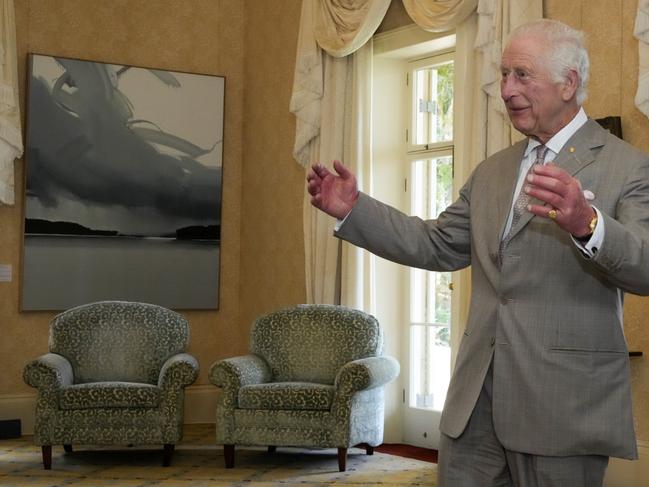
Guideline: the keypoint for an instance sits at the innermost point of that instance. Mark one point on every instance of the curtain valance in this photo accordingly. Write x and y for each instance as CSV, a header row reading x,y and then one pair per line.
x,y
440,15
343,26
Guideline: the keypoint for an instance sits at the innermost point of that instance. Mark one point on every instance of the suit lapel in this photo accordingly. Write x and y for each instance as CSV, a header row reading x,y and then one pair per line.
x,y
575,155
504,184
578,151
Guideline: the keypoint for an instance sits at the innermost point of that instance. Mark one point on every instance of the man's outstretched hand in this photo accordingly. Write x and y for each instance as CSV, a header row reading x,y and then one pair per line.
x,y
334,194
563,198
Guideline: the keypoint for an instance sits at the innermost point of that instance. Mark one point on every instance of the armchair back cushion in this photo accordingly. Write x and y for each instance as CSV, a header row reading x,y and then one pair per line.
x,y
298,348
118,341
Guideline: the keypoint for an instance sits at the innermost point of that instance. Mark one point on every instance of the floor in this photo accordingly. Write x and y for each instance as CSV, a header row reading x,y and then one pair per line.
x,y
198,462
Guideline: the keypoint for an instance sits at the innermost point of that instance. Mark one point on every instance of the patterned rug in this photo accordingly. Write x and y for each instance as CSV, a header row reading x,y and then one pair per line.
x,y
198,462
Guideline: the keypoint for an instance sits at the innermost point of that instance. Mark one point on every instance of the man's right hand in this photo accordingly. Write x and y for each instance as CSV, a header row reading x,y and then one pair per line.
x,y
334,194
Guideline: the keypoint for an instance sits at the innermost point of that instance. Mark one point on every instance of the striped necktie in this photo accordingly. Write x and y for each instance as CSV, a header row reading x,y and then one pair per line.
x,y
523,198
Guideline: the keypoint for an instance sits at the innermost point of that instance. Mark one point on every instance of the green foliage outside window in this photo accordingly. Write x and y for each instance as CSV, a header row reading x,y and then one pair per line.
x,y
444,100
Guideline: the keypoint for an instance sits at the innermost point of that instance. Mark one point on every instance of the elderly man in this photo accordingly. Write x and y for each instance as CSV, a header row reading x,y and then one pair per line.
x,y
556,229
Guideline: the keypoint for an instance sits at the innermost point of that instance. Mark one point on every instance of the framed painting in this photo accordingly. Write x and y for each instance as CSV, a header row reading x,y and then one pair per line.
x,y
612,124
123,185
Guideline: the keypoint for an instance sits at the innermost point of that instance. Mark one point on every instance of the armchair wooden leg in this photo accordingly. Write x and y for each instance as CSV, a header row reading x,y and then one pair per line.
x,y
272,448
369,449
342,459
67,448
47,456
168,453
228,453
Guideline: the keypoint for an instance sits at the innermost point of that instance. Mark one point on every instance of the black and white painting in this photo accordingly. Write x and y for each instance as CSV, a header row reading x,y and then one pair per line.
x,y
123,185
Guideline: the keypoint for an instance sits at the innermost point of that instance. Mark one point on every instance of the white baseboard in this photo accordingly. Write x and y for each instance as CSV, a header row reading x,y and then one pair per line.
x,y
200,407
627,473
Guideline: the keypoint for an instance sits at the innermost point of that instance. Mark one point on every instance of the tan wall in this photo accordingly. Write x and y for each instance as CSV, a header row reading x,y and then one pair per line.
x,y
272,244
203,36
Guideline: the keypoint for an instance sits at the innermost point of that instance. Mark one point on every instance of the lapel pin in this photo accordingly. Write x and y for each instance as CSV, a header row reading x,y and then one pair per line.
x,y
571,150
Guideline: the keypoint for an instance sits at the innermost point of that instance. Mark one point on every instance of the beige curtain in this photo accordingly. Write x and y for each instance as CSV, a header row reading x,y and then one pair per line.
x,y
320,91
440,15
11,145
357,269
324,93
322,250
641,32
343,26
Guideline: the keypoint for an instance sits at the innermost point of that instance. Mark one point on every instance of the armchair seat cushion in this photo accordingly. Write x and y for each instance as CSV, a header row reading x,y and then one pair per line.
x,y
287,396
109,395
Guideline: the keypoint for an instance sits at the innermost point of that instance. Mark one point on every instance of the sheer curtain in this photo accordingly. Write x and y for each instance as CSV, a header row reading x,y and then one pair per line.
x,y
330,109
11,144
332,103
357,282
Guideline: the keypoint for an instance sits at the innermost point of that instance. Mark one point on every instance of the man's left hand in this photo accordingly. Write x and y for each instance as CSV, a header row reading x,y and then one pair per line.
x,y
563,196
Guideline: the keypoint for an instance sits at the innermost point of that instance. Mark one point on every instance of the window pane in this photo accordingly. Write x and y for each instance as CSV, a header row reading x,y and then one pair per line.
x,y
430,365
421,94
433,93
430,294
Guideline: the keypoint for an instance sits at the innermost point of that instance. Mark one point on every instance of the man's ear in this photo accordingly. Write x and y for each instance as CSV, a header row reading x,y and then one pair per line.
x,y
570,85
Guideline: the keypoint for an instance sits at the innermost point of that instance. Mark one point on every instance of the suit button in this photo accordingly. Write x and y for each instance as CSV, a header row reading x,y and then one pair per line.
x,y
493,342
504,300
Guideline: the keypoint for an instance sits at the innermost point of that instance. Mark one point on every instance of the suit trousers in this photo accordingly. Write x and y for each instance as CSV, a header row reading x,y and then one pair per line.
x,y
477,458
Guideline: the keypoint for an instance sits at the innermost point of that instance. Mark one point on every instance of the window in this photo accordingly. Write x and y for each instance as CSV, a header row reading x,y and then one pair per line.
x,y
413,164
430,152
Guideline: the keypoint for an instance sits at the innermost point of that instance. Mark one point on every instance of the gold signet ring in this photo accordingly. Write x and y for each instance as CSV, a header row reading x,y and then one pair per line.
x,y
552,214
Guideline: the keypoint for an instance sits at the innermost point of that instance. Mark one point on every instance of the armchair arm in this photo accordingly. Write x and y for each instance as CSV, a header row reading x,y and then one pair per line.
x,y
49,371
178,371
240,371
366,373
232,373
358,399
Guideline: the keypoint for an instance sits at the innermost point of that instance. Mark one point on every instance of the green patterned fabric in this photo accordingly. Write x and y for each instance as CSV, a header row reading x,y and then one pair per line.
x,y
314,378
109,394
115,375
286,395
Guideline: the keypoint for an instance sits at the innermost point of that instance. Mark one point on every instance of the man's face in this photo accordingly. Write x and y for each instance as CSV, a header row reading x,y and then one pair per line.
x,y
537,105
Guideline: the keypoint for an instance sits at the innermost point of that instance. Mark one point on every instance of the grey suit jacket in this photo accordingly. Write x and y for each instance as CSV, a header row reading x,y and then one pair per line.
x,y
545,313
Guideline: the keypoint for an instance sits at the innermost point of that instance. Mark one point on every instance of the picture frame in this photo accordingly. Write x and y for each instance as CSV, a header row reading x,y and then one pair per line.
x,y
612,124
123,185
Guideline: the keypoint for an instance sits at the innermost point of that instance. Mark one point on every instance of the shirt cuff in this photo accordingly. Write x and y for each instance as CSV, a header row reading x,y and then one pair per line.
x,y
593,244
340,223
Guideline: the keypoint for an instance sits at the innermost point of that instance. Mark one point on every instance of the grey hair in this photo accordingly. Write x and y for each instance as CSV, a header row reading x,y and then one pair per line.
x,y
566,51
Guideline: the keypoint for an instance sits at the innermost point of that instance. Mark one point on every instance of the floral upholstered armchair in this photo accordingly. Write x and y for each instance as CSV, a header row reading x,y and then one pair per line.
x,y
314,378
115,375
